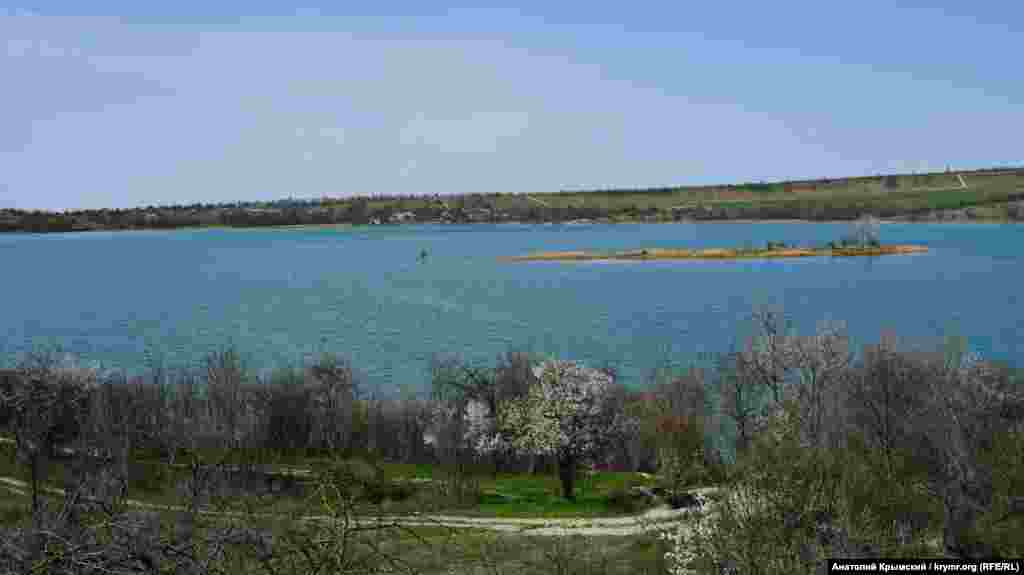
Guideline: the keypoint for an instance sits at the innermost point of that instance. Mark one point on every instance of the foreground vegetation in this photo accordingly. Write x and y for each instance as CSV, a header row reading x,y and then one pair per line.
x,y
819,452
989,195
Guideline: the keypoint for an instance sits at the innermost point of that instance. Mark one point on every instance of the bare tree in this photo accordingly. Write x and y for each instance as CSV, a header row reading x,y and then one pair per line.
x,y
768,357
333,400
970,406
741,397
885,396
757,377
225,376
46,406
940,416
456,383
514,374
821,362
286,411
683,395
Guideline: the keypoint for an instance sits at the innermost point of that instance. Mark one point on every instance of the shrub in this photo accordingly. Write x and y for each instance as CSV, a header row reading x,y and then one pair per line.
x,y
622,500
460,487
149,477
360,478
14,515
680,451
775,514
380,491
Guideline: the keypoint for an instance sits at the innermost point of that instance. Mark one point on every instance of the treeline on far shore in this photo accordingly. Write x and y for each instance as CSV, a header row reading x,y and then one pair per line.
x,y
991,195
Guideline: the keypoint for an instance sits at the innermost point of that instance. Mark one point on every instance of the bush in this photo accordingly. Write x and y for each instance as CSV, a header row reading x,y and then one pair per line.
x,y
460,487
358,478
681,451
366,481
622,501
897,507
380,491
149,476
782,513
10,516
627,500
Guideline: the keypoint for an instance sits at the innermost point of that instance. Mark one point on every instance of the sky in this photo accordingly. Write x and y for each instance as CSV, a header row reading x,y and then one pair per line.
x,y
133,104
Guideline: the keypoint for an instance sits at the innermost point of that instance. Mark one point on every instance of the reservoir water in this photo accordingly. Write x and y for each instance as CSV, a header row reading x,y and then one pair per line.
x,y
282,295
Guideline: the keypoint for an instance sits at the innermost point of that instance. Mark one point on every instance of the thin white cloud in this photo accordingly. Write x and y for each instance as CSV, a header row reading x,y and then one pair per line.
x,y
132,115
479,132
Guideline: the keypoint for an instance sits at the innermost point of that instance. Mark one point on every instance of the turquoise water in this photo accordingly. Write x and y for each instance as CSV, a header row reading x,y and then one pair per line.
x,y
282,295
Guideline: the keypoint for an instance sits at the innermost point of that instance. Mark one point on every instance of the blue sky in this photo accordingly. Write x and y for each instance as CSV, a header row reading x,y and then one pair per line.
x,y
129,105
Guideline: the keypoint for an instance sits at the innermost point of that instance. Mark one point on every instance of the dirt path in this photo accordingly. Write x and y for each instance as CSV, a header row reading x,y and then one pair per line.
x,y
651,520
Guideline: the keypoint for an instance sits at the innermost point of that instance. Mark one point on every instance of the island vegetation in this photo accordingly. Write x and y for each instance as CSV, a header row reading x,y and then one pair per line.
x,y
718,253
984,195
891,451
864,241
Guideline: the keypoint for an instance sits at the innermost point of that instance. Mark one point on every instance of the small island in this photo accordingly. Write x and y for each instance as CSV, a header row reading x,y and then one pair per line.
x,y
720,254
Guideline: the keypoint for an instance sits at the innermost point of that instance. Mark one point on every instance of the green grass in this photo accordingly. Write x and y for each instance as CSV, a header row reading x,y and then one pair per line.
x,y
540,496
911,193
992,191
504,495
523,495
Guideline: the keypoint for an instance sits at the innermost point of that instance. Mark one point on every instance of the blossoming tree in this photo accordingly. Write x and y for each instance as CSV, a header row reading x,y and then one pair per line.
x,y
565,413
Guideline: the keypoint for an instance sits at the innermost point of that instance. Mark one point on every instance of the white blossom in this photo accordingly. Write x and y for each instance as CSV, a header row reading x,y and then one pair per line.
x,y
565,411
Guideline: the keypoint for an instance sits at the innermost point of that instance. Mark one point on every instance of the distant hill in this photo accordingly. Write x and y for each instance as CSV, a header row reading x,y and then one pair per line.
x,y
986,194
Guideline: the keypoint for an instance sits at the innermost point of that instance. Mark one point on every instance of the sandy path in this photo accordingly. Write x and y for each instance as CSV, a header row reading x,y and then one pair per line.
x,y
651,520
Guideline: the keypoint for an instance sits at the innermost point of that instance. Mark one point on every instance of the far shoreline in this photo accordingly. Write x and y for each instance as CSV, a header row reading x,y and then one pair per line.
x,y
349,226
